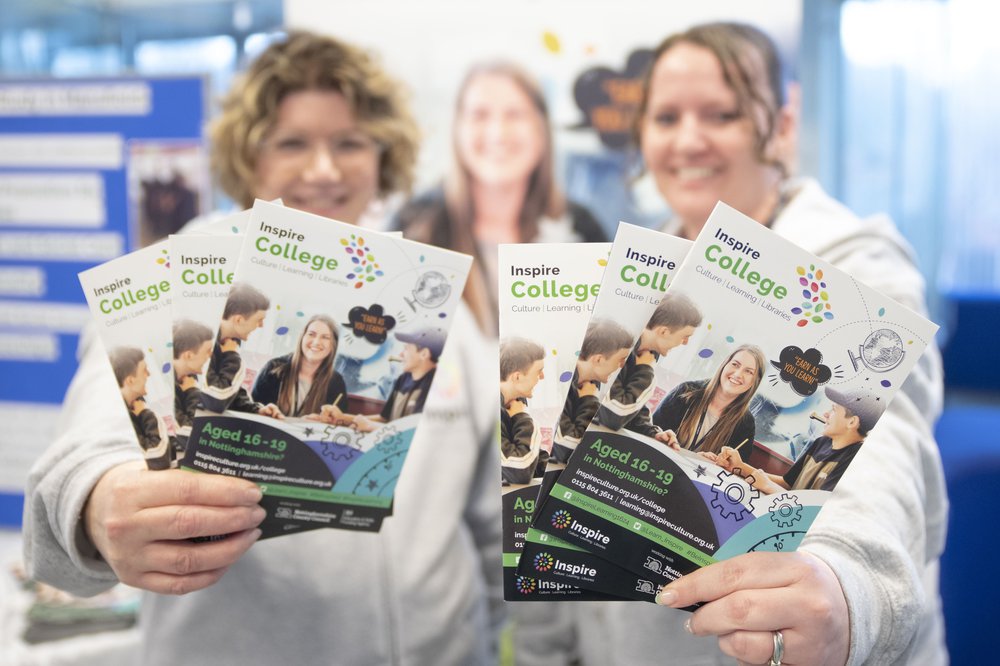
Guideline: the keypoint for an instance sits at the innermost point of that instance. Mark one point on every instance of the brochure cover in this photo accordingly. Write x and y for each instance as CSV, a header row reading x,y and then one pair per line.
x,y
546,294
308,292
632,326
758,418
129,298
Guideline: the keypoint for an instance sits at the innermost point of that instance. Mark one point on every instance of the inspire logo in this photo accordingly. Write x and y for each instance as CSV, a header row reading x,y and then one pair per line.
x,y
561,519
815,306
525,585
365,269
544,562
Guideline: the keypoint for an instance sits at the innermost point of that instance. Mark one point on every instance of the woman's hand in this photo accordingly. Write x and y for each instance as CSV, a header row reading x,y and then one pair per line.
x,y
271,409
669,437
143,522
747,598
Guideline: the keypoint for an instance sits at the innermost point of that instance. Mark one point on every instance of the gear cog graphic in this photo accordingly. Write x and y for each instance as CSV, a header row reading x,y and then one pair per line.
x,y
731,498
785,510
345,439
389,439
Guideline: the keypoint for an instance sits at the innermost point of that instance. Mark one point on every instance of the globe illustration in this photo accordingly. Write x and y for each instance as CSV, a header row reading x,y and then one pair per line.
x,y
432,289
882,350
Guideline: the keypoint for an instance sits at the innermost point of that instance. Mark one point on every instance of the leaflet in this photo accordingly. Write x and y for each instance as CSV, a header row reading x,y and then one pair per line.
x,y
751,425
326,349
547,291
623,327
129,298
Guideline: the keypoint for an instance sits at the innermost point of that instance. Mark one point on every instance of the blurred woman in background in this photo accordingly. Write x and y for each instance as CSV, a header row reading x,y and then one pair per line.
x,y
501,187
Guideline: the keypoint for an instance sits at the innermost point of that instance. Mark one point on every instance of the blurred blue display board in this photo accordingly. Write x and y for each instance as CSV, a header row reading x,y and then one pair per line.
x,y
89,169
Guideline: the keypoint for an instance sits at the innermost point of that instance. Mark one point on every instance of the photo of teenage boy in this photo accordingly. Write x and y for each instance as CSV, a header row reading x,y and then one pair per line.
x,y
672,324
303,382
820,466
521,368
131,371
706,415
605,347
243,314
192,344
419,357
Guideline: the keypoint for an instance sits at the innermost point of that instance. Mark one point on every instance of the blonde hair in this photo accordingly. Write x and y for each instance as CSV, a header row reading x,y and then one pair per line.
x,y
305,61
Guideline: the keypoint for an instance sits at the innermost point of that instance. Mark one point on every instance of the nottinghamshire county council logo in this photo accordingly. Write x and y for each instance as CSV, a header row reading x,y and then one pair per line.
x,y
815,306
544,562
561,519
525,585
365,269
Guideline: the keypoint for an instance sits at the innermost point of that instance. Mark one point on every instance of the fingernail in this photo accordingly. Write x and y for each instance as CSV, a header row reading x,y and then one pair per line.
x,y
667,597
258,514
254,535
253,494
687,626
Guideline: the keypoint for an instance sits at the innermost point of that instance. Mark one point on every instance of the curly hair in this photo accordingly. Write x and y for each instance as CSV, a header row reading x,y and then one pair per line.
x,y
306,61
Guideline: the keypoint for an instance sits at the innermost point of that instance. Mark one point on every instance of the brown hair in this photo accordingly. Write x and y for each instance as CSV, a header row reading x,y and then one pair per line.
x,y
316,396
518,354
751,67
719,435
305,61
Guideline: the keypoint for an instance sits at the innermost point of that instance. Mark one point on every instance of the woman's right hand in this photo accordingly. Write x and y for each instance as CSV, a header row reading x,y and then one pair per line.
x,y
142,522
669,437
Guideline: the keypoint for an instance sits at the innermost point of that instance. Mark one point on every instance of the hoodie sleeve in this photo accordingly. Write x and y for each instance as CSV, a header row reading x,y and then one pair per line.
x,y
93,435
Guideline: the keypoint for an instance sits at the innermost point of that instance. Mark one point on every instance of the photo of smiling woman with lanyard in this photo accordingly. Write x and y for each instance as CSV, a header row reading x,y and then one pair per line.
x,y
705,415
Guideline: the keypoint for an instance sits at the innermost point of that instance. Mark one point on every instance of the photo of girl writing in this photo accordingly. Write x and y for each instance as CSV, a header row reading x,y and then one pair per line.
x,y
707,414
303,382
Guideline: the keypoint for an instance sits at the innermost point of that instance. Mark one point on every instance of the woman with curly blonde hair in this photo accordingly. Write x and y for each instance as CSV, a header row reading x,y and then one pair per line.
x,y
316,122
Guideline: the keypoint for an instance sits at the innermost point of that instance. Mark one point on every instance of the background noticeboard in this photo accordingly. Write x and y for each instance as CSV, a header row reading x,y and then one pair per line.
x,y
89,169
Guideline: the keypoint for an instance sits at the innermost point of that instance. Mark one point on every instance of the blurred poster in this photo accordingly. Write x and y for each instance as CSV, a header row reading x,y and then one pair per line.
x,y
70,151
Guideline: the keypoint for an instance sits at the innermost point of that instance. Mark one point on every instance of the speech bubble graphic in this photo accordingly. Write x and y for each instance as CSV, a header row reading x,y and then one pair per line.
x,y
609,99
372,323
803,370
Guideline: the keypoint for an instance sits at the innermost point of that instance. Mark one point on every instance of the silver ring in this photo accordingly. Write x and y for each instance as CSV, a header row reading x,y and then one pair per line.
x,y
779,649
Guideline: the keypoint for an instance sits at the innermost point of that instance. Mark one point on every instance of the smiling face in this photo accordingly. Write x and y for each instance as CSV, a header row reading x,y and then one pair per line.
x,y
698,143
499,132
739,375
838,423
317,158
317,342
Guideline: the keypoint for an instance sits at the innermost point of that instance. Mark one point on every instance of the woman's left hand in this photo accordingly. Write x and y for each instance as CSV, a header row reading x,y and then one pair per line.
x,y
749,597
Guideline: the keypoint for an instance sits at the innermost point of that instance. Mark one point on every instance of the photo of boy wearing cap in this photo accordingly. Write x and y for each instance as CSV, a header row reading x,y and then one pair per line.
x,y
851,416
409,392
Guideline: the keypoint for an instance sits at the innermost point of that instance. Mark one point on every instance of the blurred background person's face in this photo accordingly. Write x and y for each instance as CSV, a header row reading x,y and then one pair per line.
x,y
499,134
317,158
697,143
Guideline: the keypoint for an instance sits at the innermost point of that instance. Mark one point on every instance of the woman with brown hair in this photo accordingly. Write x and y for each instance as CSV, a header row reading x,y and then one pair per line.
x,y
501,187
707,414
303,382
714,124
